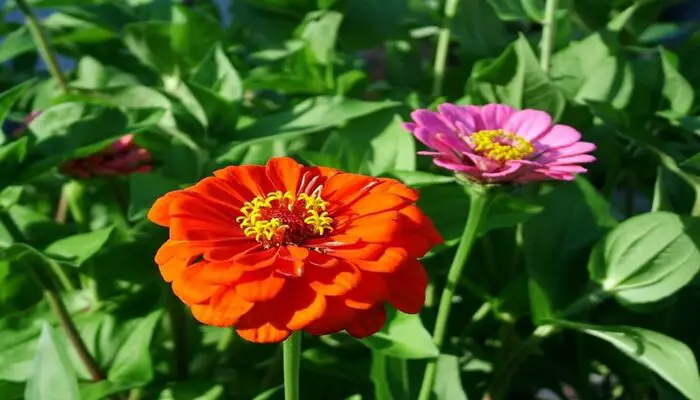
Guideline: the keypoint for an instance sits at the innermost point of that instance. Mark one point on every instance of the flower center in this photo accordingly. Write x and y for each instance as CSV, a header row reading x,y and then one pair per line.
x,y
284,218
501,146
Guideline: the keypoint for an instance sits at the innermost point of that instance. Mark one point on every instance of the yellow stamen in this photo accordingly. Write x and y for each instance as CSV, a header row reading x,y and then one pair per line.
x,y
255,226
501,146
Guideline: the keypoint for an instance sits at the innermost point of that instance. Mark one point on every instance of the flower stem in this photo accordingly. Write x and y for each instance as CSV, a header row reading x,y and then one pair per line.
x,y
443,46
69,327
178,324
477,210
548,32
43,44
291,350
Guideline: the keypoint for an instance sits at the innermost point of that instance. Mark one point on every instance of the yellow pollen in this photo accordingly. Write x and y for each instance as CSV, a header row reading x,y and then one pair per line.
x,y
501,146
284,218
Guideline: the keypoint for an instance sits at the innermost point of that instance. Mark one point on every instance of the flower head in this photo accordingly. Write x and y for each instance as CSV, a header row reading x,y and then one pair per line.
x,y
122,157
281,248
498,144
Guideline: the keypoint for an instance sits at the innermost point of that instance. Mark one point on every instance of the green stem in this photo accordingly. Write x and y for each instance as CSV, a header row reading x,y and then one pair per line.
x,y
74,192
548,32
57,306
43,44
443,45
178,324
477,210
291,350
65,282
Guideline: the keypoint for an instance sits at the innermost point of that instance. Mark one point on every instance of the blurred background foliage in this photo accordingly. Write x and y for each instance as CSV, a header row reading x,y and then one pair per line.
x,y
206,84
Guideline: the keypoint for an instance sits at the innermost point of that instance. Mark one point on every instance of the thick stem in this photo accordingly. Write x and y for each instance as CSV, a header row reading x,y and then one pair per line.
x,y
477,210
291,349
62,206
43,44
178,325
443,45
68,326
548,32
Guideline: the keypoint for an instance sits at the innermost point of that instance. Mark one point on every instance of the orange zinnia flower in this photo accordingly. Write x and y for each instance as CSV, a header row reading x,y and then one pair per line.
x,y
281,248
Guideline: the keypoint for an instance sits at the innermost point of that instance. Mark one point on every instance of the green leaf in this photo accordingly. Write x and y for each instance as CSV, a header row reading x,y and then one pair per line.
x,y
515,78
390,377
647,257
77,249
132,365
310,116
448,379
373,144
368,23
8,98
216,73
676,88
420,178
11,157
274,393
53,376
145,189
477,27
320,30
672,360
150,43
16,43
34,227
403,336
194,390
575,216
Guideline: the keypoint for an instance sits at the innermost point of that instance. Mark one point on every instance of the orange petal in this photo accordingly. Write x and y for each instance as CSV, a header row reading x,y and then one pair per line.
x,y
335,319
259,285
344,188
251,177
370,290
221,273
335,281
266,333
190,289
395,187
390,260
407,287
220,192
224,309
160,210
254,260
423,224
376,203
172,269
368,322
378,228
284,173
230,250
306,304
361,251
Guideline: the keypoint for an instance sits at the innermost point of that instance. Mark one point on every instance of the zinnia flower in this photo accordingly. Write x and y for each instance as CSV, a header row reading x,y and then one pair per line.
x,y
496,143
281,248
122,157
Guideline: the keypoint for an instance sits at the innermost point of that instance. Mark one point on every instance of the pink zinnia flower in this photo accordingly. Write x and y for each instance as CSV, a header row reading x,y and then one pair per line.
x,y
496,143
122,157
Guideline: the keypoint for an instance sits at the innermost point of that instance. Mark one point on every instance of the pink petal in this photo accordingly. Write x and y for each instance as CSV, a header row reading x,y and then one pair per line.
x,y
577,169
495,116
458,167
529,124
559,136
579,159
461,117
409,126
510,170
561,152
483,163
431,121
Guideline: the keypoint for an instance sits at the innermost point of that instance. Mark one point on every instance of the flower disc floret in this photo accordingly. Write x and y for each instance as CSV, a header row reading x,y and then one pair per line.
x,y
281,218
501,146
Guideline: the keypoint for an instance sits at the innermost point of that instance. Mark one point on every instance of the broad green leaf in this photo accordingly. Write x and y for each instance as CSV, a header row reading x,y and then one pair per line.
x,y
144,189
479,31
8,98
310,116
672,360
150,43
216,73
373,144
575,216
79,248
420,178
133,365
515,78
390,377
53,377
320,30
403,336
34,227
16,43
571,66
676,88
448,379
647,257
11,157
368,23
